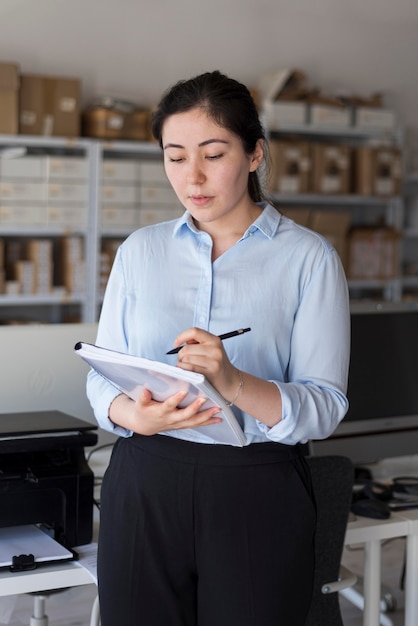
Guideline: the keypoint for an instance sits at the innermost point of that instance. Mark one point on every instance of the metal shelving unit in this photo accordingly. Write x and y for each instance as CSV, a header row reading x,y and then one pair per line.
x,y
86,303
58,304
364,209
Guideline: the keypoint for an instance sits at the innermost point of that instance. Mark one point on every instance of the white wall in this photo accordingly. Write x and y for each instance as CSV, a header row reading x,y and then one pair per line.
x,y
136,48
41,372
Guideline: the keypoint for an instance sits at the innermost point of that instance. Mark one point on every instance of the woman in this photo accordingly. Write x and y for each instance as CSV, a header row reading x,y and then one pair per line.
x,y
194,533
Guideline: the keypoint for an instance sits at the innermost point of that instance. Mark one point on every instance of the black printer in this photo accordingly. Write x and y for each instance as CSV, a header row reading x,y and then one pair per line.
x,y
44,475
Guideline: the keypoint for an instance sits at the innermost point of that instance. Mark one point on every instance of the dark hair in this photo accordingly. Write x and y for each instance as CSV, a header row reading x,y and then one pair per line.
x,y
226,101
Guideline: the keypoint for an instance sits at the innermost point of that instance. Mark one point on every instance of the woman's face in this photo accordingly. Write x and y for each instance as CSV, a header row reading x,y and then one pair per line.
x,y
207,166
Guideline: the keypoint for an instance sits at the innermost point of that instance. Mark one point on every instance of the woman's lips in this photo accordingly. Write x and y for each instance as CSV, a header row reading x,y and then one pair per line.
x,y
200,200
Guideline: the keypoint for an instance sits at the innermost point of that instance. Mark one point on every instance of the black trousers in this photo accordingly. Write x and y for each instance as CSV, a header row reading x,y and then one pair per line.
x,y
205,535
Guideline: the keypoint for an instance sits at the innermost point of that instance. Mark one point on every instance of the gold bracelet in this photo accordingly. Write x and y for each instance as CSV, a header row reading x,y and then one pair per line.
x,y
240,388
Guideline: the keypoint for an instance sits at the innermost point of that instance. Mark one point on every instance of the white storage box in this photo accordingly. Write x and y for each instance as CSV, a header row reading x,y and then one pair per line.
x,y
325,115
279,114
370,118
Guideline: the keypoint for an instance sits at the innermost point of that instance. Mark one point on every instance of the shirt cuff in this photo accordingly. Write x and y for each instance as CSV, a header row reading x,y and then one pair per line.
x,y
282,431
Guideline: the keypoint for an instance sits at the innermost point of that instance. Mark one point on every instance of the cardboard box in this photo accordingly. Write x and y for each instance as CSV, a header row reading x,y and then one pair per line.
x,y
301,216
377,171
102,123
70,264
371,118
279,114
25,276
40,253
329,116
373,253
331,168
106,123
282,95
49,106
334,226
9,95
290,166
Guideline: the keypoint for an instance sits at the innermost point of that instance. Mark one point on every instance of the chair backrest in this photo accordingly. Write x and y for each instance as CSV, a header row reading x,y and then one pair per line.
x,y
332,482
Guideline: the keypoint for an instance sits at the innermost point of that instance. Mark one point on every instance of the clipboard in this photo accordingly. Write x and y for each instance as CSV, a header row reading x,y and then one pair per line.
x,y
130,374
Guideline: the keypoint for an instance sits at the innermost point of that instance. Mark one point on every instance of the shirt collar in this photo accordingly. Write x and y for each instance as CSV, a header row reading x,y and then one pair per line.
x,y
267,222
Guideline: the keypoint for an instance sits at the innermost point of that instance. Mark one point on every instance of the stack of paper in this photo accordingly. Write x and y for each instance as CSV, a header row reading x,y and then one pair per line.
x,y
130,374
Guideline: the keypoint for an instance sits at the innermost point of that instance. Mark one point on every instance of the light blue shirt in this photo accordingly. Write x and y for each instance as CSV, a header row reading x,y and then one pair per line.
x,y
281,279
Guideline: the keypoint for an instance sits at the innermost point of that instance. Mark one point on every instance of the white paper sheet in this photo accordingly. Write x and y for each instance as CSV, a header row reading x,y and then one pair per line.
x,y
29,539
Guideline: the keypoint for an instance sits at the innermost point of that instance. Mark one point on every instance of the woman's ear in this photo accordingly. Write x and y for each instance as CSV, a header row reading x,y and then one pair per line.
x,y
257,156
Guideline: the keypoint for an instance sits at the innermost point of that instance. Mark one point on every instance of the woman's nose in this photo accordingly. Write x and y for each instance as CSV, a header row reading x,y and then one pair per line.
x,y
195,174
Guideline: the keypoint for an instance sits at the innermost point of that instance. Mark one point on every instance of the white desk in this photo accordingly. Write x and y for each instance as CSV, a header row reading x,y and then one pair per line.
x,y
371,532
411,578
53,576
57,576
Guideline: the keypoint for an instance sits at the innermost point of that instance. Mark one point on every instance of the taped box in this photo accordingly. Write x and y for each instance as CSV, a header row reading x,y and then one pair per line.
x,y
333,225
9,94
49,106
282,96
107,122
290,166
331,168
371,118
377,171
373,253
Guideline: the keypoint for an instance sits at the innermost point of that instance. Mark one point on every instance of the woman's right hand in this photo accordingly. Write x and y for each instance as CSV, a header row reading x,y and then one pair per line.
x,y
146,416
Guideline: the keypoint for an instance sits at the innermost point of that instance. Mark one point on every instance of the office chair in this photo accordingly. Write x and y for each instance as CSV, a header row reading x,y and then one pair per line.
x,y
332,482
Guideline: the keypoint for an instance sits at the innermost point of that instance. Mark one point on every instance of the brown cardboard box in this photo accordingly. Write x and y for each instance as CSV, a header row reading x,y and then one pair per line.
x,y
290,166
107,123
103,123
300,215
334,226
331,168
373,253
49,106
9,92
377,171
70,263
138,126
40,253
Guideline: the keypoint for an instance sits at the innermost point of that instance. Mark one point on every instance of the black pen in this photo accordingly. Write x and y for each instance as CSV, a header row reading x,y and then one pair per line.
x,y
233,333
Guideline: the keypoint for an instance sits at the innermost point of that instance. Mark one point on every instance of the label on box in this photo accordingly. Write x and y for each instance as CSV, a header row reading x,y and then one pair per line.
x,y
115,122
385,186
28,118
48,125
67,105
366,117
289,184
325,115
331,184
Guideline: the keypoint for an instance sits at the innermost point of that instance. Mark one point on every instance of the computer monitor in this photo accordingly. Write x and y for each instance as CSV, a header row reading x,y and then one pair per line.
x,y
382,420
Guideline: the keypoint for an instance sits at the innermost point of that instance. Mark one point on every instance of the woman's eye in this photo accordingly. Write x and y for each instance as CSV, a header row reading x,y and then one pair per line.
x,y
214,157
179,160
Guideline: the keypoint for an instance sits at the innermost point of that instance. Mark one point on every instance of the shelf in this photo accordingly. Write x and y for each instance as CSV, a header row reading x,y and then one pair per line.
x,y
411,233
372,283
41,231
94,232
144,148
382,306
337,132
40,299
409,281
333,200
